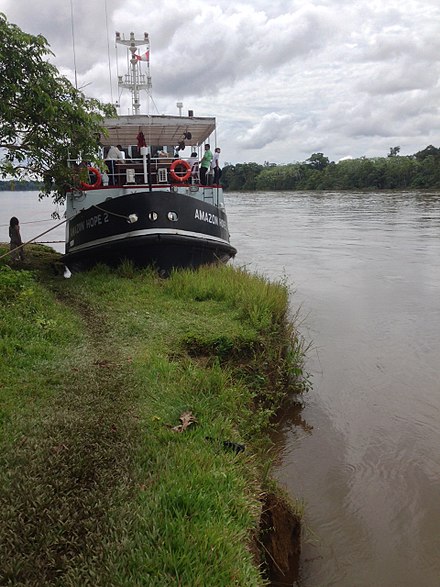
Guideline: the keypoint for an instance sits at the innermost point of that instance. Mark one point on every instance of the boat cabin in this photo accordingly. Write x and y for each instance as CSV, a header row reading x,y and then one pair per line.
x,y
156,148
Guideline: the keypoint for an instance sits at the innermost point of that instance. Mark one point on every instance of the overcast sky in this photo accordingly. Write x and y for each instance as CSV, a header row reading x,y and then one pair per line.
x,y
285,78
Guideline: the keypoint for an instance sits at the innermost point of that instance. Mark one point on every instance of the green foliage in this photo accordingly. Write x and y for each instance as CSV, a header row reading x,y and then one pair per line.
x,y
281,177
96,371
241,176
20,186
43,118
14,284
421,170
260,302
33,333
318,161
394,151
430,151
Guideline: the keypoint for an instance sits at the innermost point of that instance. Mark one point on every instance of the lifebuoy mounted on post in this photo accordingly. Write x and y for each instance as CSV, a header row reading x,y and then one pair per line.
x,y
180,163
98,182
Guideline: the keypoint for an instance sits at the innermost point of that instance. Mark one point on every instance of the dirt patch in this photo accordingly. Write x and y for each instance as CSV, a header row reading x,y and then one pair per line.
x,y
280,536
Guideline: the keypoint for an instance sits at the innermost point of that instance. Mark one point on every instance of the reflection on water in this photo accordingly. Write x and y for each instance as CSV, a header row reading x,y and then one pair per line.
x,y
365,270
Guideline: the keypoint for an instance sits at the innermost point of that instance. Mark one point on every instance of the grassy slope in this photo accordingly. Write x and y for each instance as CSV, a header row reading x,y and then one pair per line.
x,y
96,487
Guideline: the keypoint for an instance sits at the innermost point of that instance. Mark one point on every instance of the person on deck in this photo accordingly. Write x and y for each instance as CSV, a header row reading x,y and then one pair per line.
x,y
193,163
114,154
15,239
215,166
205,164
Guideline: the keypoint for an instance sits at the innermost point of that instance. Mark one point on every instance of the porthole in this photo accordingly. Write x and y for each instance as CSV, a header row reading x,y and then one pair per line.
x,y
152,216
172,216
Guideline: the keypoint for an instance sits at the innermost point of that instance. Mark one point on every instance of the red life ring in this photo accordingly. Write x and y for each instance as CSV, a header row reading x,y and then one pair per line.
x,y
97,184
178,163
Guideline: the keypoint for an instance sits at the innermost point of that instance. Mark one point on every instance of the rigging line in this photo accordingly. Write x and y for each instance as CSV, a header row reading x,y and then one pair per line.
x,y
108,53
73,42
150,98
116,57
111,213
30,222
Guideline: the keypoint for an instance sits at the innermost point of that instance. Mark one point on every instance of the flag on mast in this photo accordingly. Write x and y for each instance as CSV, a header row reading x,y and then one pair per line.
x,y
144,57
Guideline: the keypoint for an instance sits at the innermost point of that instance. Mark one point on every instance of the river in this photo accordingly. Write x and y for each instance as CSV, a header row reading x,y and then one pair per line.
x,y
364,270
364,455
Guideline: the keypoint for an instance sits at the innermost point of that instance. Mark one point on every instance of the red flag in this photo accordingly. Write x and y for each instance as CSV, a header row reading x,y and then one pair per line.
x,y
144,57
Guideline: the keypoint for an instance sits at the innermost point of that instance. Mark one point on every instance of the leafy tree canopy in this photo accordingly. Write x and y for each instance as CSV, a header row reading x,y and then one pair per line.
x,y
318,161
418,171
430,151
43,118
394,151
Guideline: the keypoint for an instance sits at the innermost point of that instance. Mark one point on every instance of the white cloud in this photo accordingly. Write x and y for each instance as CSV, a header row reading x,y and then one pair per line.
x,y
270,128
284,79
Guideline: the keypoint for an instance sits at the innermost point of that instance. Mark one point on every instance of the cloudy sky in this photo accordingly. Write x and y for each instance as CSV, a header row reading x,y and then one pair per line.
x,y
285,78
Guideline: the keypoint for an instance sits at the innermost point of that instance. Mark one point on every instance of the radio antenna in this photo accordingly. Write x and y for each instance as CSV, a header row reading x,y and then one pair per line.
x,y
73,42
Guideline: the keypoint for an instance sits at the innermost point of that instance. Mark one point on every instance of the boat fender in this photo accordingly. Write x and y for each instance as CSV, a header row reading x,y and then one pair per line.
x,y
180,163
97,184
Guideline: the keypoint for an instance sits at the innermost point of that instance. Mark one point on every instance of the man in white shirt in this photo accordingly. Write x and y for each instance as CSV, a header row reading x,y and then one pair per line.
x,y
215,166
193,162
114,154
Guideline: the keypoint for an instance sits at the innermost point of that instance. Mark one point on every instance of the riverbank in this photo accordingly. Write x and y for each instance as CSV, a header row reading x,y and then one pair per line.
x,y
135,425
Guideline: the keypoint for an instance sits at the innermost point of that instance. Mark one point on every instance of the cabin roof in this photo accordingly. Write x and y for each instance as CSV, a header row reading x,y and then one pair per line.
x,y
158,130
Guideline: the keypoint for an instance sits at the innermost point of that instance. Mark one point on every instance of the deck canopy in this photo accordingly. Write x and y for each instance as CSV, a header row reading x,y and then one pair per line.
x,y
158,130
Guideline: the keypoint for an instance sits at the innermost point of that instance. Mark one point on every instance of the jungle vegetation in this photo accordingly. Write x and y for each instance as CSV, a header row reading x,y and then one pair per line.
x,y
13,185
418,171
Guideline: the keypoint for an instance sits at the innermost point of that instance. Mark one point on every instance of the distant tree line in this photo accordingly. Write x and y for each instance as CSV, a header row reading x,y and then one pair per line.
x,y
418,171
20,186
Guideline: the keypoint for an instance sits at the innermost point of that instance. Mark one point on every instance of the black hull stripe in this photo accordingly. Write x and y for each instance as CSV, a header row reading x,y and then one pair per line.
x,y
148,232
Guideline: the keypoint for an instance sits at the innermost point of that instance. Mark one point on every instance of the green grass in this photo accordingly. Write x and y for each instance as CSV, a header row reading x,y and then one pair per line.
x,y
97,488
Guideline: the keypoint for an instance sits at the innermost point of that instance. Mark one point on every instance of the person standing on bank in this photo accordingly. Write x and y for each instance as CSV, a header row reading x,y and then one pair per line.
x,y
15,239
215,166
205,164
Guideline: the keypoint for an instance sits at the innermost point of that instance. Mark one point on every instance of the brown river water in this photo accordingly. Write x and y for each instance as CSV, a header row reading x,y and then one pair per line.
x,y
364,454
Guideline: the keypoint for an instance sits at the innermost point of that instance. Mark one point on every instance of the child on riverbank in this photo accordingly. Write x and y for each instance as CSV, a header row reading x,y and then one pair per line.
x,y
15,240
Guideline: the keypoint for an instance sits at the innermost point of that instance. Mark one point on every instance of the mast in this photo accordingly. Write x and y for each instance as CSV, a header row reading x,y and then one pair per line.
x,y
134,80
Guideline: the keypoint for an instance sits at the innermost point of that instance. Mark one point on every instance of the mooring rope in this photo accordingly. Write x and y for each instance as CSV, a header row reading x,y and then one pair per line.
x,y
128,218
29,222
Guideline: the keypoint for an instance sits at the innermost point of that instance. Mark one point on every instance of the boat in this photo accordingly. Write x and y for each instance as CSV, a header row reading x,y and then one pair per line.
x,y
149,207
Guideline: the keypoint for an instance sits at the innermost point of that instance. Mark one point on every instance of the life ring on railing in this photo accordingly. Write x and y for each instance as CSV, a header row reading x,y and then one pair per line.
x,y
97,184
180,163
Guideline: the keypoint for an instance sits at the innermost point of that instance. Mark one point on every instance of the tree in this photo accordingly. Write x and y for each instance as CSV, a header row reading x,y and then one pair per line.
x,y
394,151
318,161
430,151
43,118
241,176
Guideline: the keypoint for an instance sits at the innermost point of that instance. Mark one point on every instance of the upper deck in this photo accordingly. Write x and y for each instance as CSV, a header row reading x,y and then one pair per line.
x,y
157,130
